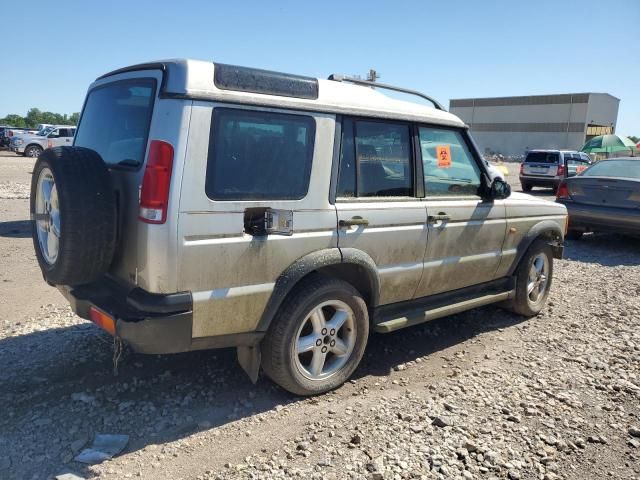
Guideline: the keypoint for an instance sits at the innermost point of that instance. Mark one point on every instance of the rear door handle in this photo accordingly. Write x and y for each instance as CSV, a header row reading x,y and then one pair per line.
x,y
440,217
353,221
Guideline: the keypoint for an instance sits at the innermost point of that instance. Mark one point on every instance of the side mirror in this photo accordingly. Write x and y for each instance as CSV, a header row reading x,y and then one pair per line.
x,y
500,189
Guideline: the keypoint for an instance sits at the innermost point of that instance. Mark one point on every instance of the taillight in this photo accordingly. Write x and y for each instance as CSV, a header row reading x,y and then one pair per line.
x,y
563,192
561,170
154,195
521,168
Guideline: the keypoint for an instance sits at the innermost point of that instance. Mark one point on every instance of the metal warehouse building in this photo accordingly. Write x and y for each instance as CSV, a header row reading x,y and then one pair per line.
x,y
513,125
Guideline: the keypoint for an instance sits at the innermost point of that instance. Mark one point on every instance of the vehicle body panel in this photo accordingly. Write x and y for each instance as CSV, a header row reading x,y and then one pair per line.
x,y
464,250
232,273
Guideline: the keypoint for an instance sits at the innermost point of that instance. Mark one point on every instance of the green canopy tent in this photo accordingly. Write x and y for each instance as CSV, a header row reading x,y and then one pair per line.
x,y
609,144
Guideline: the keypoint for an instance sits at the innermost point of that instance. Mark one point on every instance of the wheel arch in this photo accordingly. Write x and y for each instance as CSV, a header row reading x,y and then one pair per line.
x,y
34,144
348,264
547,230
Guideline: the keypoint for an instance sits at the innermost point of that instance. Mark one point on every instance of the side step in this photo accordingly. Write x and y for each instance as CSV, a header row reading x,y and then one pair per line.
x,y
393,317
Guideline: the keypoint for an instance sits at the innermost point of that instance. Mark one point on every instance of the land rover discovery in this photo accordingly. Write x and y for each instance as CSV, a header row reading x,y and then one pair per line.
x,y
206,205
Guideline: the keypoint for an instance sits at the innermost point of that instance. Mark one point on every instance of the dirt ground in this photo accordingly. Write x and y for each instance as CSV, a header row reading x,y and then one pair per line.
x,y
484,394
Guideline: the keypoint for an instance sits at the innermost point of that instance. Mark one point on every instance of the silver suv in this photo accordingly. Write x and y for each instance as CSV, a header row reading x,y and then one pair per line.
x,y
548,168
207,205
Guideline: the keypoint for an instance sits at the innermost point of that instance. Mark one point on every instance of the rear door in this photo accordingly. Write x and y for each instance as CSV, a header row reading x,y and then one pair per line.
x,y
378,211
541,164
241,160
466,232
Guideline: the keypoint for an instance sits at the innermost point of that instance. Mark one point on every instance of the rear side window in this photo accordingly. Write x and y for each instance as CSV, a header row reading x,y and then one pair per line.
x,y
256,155
449,166
115,120
542,157
375,160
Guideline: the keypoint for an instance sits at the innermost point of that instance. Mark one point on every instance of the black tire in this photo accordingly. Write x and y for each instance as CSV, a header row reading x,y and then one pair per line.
x,y
278,345
87,213
574,235
526,187
522,303
33,151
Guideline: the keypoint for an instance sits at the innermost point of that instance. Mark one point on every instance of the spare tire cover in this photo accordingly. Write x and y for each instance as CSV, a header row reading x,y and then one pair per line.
x,y
73,213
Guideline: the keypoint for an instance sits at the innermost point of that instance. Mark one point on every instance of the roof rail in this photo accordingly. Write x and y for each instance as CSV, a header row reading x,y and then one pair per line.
x,y
343,78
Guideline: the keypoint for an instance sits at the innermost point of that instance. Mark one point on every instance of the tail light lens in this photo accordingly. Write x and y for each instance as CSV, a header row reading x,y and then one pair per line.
x,y
154,195
521,168
563,192
561,170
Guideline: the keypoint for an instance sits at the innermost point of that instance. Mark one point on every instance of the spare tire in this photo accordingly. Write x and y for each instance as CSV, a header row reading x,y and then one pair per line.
x,y
73,213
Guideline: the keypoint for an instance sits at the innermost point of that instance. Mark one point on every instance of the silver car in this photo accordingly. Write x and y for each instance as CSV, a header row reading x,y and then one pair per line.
x,y
207,205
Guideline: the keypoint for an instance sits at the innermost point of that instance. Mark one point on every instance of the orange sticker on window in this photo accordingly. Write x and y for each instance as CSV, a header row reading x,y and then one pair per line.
x,y
443,152
580,168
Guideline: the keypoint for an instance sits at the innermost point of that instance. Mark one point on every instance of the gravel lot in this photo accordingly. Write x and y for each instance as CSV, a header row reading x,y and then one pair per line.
x,y
484,394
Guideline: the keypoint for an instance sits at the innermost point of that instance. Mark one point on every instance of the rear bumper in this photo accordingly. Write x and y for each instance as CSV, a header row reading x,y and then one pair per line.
x,y
540,180
603,219
148,322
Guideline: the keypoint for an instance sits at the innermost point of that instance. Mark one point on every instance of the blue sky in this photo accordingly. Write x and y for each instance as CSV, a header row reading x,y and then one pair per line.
x,y
449,49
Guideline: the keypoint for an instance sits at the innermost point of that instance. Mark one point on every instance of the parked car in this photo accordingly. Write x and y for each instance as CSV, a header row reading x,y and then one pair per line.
x,y
548,168
207,206
10,132
51,136
603,198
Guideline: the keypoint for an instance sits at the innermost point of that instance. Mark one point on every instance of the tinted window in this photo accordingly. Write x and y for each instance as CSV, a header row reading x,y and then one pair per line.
x,y
615,168
115,120
542,157
382,166
449,166
347,174
259,155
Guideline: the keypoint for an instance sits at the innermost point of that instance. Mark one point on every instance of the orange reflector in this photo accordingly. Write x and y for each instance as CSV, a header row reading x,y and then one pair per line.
x,y
103,320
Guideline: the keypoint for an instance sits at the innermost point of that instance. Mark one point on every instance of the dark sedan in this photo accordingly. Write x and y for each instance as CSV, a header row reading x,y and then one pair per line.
x,y
603,198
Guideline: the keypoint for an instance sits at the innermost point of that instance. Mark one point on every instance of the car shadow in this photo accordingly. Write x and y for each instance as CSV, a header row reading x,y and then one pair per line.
x,y
16,229
52,368
609,250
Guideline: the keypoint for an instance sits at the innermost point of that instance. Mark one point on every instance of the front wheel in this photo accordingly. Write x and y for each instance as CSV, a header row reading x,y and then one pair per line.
x,y
533,280
317,338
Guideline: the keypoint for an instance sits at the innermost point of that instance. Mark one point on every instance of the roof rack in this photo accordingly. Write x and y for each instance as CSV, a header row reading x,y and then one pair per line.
x,y
343,78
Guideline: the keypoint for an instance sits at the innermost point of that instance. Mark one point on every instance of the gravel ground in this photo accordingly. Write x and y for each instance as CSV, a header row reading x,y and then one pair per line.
x,y
484,394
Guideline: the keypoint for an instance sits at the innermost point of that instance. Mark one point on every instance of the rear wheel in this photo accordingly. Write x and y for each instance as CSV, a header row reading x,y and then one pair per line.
x,y
533,280
318,337
33,151
526,187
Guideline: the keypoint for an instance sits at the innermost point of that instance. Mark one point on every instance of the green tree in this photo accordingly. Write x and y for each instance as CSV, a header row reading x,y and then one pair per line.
x,y
13,120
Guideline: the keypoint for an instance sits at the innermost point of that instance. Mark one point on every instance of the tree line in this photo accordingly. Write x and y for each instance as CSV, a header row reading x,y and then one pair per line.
x,y
35,116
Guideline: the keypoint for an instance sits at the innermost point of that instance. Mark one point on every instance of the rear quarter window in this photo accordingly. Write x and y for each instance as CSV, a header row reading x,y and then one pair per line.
x,y
258,155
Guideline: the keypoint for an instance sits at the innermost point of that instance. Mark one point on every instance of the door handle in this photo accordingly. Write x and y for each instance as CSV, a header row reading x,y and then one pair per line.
x,y
353,221
440,217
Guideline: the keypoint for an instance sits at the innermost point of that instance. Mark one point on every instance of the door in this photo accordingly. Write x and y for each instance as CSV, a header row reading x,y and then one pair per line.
x,y
465,232
240,161
378,212
60,137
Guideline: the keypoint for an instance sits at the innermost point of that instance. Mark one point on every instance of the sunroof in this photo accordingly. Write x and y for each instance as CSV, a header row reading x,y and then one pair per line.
x,y
244,79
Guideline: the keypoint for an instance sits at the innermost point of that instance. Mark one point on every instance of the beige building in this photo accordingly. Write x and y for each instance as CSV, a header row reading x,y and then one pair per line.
x,y
513,125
